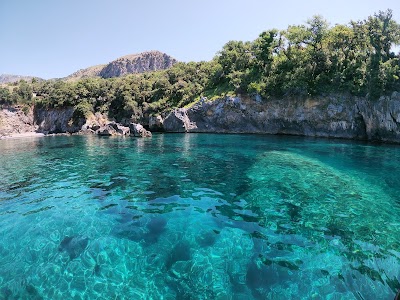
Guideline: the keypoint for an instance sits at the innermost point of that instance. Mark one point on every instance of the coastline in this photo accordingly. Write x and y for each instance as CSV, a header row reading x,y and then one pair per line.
x,y
334,116
31,134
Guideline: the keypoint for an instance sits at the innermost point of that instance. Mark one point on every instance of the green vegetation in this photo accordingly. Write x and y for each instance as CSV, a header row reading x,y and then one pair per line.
x,y
310,59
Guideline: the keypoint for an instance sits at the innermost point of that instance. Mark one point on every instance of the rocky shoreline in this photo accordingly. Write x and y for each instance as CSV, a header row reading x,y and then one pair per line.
x,y
334,116
15,123
337,116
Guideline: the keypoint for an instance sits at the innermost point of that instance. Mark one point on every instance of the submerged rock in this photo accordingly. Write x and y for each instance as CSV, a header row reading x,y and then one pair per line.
x,y
139,232
180,252
206,238
73,245
156,225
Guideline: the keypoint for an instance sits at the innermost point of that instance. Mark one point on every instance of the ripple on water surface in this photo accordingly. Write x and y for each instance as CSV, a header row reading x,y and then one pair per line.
x,y
198,217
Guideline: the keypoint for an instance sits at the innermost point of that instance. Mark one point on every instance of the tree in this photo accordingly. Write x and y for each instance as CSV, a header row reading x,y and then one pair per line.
x,y
383,33
264,48
24,92
5,96
236,60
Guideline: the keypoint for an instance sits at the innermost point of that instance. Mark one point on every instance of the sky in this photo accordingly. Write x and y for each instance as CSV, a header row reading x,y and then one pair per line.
x,y
54,38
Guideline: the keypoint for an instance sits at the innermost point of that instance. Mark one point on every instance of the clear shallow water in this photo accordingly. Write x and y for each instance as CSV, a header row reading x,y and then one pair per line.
x,y
198,217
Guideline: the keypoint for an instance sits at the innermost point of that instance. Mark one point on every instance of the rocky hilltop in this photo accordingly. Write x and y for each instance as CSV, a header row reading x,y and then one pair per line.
x,y
138,63
129,64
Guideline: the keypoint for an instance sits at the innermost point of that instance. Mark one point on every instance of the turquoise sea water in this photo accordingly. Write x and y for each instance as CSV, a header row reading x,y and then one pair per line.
x,y
198,217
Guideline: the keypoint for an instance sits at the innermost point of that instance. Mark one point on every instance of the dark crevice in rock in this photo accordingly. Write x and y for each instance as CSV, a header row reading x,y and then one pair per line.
x,y
359,120
394,119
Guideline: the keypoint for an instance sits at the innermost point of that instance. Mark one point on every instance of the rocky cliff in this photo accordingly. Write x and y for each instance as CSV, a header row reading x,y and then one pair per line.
x,y
330,116
57,120
333,116
129,64
138,63
15,121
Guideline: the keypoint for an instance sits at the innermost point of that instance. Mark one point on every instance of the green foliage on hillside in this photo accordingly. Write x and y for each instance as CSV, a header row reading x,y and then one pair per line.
x,y
310,59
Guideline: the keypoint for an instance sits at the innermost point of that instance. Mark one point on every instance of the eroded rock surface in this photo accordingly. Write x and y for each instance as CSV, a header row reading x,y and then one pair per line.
x,y
332,116
138,130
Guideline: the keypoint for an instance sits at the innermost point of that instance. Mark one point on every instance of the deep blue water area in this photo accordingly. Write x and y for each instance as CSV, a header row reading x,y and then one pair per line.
x,y
198,216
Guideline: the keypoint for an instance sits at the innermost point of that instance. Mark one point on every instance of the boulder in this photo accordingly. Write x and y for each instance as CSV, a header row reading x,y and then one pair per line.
x,y
106,130
138,130
113,128
119,129
179,120
156,123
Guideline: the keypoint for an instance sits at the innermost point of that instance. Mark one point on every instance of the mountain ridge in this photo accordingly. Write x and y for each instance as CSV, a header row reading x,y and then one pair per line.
x,y
10,78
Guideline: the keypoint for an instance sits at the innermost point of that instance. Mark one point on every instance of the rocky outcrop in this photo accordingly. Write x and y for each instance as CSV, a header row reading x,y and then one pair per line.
x,y
137,63
99,124
138,130
64,121
156,123
381,118
332,116
57,120
129,64
112,128
15,120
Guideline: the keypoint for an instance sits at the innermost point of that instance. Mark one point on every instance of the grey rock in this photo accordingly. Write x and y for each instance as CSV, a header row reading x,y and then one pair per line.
x,y
106,131
129,64
13,120
334,116
179,121
138,130
113,128
137,63
57,120
258,98
95,127
123,130
156,123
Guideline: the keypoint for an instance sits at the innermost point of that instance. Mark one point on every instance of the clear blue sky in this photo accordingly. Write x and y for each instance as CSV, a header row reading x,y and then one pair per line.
x,y
54,38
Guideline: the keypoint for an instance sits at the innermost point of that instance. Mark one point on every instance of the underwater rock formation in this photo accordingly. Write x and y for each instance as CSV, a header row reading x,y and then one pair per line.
x,y
73,245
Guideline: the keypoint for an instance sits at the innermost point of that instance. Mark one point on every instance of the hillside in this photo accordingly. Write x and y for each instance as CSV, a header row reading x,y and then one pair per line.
x,y
9,78
129,64
89,72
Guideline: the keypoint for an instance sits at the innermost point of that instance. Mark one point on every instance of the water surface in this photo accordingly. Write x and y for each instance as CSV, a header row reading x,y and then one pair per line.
x,y
198,217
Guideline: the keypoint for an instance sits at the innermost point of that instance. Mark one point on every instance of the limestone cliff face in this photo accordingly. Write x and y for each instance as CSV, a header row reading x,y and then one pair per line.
x,y
382,118
137,63
57,120
335,116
